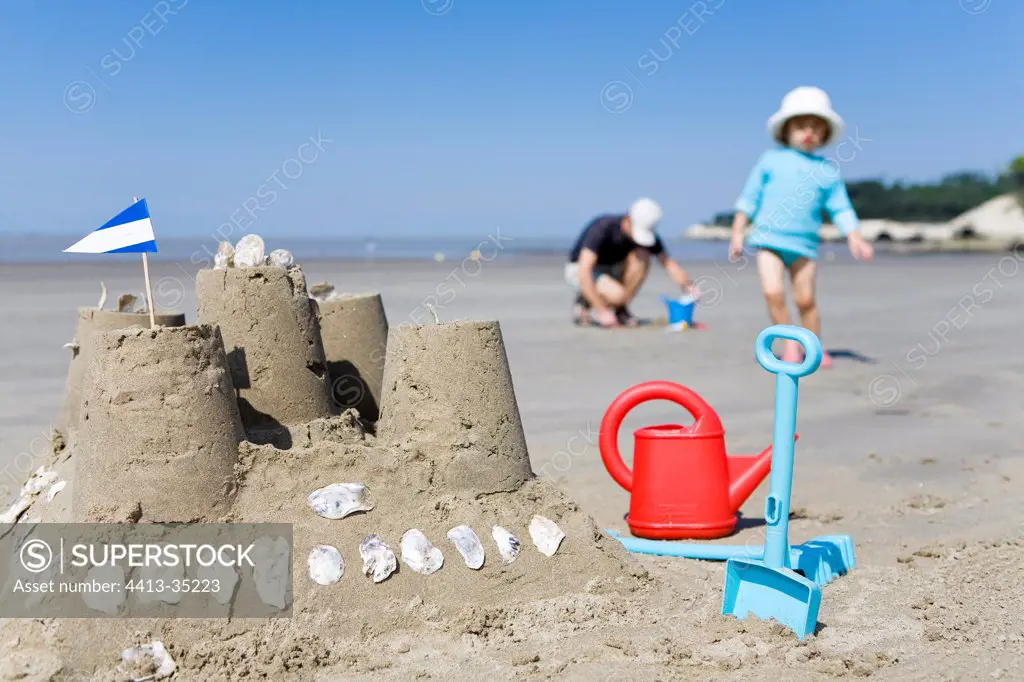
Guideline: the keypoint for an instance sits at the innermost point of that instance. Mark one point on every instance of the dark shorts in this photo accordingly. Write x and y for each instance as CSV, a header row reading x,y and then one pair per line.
x,y
615,271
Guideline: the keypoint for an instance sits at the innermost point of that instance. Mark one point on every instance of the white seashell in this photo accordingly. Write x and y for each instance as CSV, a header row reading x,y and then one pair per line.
x,y
338,500
508,544
325,565
226,578
107,602
38,481
162,660
223,258
73,345
281,258
250,251
418,554
271,571
378,559
54,489
130,303
546,535
103,296
322,291
468,544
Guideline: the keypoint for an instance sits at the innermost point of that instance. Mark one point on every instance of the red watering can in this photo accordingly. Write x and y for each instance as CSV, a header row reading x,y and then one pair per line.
x,y
683,486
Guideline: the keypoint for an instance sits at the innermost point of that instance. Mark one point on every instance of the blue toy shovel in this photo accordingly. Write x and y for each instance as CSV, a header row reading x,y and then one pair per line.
x,y
822,559
769,588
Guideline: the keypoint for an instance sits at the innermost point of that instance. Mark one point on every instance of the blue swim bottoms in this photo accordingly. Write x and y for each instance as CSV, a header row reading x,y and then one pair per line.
x,y
788,257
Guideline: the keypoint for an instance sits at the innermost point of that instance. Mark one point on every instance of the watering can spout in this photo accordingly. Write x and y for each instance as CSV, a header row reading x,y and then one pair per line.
x,y
746,473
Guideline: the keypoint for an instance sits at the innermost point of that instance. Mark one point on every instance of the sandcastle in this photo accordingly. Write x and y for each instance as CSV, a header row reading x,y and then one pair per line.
x,y
163,440
91,322
273,342
354,329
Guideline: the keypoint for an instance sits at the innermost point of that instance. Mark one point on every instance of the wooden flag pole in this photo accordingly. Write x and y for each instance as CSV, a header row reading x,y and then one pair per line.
x,y
149,287
149,290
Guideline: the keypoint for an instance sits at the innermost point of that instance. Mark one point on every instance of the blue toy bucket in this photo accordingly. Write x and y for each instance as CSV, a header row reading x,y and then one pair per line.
x,y
680,310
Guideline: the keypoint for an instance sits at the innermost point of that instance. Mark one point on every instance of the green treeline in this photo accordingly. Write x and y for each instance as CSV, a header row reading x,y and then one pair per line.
x,y
935,202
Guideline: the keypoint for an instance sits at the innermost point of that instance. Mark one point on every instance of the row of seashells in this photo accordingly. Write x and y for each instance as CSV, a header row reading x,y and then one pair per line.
x,y
338,500
250,252
326,565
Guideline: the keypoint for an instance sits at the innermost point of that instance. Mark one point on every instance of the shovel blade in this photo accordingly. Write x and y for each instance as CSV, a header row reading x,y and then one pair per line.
x,y
751,587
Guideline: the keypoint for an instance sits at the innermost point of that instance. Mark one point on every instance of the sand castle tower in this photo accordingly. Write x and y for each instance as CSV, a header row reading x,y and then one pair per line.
x,y
92,321
354,329
160,428
273,343
448,393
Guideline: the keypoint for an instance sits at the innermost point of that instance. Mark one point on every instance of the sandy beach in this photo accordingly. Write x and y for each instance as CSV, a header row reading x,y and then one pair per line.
x,y
909,443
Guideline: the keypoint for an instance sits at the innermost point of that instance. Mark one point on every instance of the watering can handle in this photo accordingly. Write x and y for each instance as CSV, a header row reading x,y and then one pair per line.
x,y
806,338
608,442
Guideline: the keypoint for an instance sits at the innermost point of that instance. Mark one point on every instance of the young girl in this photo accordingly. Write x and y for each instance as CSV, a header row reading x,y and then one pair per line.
x,y
784,197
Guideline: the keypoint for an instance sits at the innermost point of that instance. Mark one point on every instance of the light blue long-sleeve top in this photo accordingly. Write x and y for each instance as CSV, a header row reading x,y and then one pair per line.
x,y
784,197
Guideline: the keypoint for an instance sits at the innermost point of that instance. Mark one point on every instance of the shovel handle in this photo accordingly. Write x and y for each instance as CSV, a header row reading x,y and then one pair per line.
x,y
806,338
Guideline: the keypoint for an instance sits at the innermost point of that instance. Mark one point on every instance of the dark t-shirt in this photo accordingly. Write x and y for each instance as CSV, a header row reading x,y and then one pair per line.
x,y
604,237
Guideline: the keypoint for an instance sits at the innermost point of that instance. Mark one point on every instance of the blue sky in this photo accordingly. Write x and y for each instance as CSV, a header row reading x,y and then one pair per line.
x,y
454,116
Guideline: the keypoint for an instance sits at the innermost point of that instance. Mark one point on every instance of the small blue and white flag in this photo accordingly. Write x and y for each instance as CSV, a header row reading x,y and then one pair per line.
x,y
130,231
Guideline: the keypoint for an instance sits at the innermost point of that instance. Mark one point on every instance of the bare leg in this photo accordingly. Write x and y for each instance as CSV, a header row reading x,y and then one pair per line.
x,y
803,275
637,267
617,294
772,272
611,291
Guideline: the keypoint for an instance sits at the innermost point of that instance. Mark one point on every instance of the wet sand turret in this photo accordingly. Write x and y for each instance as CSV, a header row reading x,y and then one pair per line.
x,y
273,342
448,394
160,428
92,321
355,336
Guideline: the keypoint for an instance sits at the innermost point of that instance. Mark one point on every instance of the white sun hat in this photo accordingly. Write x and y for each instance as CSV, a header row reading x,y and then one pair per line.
x,y
804,101
644,215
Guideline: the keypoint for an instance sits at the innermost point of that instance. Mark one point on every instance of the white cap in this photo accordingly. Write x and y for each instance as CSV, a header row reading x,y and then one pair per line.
x,y
805,101
644,215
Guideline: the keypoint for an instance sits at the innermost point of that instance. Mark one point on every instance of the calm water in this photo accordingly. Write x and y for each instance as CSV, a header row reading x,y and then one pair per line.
x,y
199,250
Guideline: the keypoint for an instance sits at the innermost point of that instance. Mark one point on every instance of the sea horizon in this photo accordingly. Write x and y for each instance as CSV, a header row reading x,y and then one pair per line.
x,y
198,251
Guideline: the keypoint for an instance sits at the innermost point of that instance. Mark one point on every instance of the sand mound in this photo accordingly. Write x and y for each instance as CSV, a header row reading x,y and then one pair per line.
x,y
330,622
399,485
